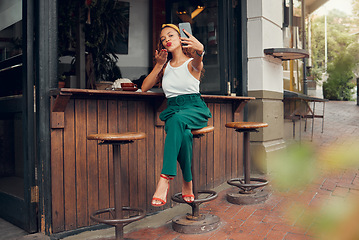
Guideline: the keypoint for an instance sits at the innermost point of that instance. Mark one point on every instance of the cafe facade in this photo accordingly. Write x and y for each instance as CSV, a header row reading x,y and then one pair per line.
x,y
52,178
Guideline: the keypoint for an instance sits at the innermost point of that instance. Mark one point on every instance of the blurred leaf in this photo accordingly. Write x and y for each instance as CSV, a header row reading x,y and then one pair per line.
x,y
294,168
337,157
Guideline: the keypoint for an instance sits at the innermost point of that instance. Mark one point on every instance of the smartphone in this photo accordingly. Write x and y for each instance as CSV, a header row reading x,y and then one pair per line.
x,y
186,26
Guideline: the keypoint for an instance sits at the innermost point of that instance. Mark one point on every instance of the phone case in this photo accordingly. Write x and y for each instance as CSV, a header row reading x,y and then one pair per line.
x,y
186,26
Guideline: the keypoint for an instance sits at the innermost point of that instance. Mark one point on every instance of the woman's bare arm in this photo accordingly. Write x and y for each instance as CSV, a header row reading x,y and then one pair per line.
x,y
197,50
151,79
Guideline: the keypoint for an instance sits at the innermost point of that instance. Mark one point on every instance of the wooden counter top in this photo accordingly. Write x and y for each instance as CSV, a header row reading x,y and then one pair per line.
x,y
90,92
62,96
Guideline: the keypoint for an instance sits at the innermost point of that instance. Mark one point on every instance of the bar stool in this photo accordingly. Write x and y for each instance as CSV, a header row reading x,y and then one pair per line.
x,y
117,220
247,187
196,222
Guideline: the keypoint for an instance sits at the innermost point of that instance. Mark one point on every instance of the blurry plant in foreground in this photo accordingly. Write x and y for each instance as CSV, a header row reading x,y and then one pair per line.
x,y
296,167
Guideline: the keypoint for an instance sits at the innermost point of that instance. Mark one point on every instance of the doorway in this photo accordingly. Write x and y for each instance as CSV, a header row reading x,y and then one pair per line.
x,y
18,191
221,27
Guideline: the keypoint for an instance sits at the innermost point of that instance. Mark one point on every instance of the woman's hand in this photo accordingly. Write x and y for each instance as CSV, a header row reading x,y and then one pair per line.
x,y
161,57
151,79
197,49
193,43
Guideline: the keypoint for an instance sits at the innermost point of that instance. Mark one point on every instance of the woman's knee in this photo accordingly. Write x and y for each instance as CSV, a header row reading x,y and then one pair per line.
x,y
187,135
176,121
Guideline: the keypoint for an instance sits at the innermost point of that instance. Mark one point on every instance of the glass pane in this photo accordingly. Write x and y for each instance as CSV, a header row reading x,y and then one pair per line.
x,y
203,16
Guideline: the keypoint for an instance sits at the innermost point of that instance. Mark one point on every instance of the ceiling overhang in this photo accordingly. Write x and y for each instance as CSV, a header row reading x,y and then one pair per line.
x,y
312,5
287,53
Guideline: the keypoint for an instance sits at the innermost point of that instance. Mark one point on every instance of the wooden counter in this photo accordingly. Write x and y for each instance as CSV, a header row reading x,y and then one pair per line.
x,y
81,173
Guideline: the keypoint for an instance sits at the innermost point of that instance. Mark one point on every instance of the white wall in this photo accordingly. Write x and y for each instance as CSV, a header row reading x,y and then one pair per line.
x,y
265,18
10,12
137,61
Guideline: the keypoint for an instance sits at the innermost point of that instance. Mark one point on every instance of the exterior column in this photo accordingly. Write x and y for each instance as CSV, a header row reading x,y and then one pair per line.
x,y
265,79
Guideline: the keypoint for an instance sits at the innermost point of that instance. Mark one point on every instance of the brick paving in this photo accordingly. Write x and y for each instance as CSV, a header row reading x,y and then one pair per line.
x,y
278,217
289,215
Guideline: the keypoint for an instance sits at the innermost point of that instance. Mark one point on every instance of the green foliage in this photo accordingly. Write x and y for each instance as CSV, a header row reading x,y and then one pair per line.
x,y
339,85
294,168
109,21
343,53
107,27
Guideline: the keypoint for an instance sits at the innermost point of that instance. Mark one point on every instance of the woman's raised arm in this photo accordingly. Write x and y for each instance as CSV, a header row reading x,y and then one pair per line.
x,y
151,79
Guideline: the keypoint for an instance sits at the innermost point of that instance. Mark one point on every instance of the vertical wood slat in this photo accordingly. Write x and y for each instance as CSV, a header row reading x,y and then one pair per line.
x,y
227,139
141,156
123,120
132,161
223,163
210,150
217,144
103,155
92,158
203,162
89,167
150,159
81,163
57,168
113,127
70,168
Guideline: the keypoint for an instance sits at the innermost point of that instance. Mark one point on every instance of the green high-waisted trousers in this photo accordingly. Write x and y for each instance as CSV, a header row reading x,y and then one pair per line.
x,y
183,113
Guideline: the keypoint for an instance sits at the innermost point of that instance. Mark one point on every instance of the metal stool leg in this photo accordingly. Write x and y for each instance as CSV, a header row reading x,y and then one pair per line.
x,y
195,222
118,190
117,219
247,193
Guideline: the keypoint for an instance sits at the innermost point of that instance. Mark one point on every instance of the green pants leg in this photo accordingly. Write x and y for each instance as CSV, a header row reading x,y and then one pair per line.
x,y
180,119
185,155
178,147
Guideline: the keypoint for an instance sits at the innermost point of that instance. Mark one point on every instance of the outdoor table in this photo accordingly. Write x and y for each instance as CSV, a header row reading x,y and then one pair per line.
x,y
304,110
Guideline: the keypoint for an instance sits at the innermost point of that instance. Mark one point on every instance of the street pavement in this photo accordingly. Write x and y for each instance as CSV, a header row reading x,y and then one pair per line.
x,y
315,199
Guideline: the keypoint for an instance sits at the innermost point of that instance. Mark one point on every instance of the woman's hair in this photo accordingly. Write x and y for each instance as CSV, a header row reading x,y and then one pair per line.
x,y
160,47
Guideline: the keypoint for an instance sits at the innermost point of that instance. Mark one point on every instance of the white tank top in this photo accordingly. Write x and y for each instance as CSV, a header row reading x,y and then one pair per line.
x,y
178,80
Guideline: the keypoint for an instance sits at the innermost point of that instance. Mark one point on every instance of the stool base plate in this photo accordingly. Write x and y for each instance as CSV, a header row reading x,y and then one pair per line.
x,y
114,238
182,225
258,196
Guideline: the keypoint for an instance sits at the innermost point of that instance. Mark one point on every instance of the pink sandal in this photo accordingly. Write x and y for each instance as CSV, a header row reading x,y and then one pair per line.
x,y
163,202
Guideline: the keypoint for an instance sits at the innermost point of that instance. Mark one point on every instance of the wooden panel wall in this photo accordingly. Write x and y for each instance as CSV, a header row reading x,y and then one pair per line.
x,y
82,172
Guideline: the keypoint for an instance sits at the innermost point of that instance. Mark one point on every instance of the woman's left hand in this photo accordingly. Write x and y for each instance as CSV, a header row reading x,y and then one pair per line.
x,y
192,42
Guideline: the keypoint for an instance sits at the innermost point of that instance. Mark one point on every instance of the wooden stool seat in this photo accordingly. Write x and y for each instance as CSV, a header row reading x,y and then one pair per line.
x,y
200,132
117,219
246,125
196,223
117,137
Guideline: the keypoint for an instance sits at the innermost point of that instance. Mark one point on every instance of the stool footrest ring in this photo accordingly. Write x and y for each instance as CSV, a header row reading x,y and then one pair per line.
x,y
114,222
177,197
247,187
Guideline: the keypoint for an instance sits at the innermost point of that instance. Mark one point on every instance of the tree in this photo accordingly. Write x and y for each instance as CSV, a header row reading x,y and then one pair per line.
x,y
339,85
342,53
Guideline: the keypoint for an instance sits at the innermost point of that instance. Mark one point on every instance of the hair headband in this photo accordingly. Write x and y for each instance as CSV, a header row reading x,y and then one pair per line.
x,y
171,26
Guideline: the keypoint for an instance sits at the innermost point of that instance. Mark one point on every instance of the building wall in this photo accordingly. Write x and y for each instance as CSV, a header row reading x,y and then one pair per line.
x,y
265,78
138,60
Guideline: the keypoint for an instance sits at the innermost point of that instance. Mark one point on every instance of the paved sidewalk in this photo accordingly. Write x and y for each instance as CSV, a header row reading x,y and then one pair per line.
x,y
293,214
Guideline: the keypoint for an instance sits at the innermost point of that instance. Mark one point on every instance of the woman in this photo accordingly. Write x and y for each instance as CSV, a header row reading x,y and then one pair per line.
x,y
179,66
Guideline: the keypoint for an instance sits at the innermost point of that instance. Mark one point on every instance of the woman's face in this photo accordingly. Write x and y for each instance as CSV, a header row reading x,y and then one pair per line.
x,y
170,39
